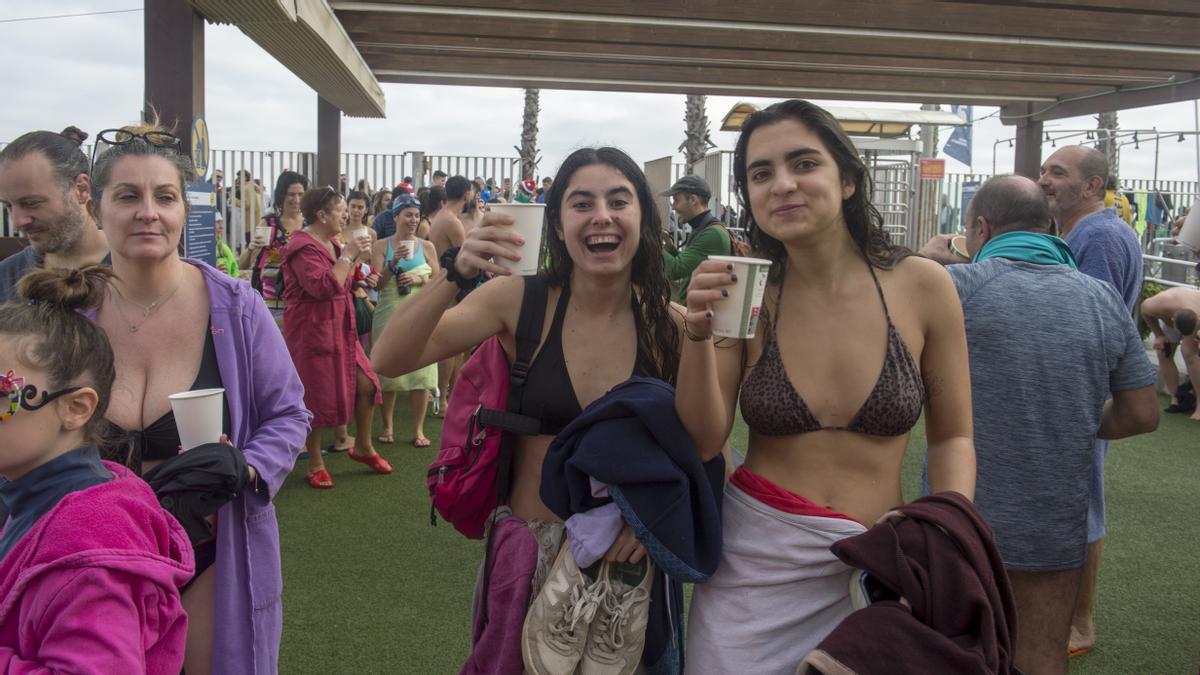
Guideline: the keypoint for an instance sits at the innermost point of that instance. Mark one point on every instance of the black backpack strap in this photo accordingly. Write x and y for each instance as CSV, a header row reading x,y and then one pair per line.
x,y
529,336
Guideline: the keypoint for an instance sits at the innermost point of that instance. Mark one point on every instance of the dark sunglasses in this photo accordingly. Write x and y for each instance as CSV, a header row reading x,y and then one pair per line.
x,y
119,137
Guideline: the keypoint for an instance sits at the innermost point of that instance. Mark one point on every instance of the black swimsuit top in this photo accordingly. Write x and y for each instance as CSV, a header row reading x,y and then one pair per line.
x,y
549,395
772,407
160,439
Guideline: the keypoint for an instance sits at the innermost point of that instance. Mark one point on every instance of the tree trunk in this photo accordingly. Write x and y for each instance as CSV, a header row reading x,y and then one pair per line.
x,y
696,140
1107,145
529,131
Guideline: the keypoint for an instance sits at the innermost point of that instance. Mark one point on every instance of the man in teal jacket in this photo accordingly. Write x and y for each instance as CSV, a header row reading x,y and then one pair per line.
x,y
689,199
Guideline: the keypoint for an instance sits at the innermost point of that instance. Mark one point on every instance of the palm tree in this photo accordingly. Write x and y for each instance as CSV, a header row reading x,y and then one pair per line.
x,y
696,141
529,131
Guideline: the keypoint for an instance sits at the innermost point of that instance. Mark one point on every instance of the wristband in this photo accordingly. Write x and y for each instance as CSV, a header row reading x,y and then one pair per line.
x,y
693,337
465,285
348,259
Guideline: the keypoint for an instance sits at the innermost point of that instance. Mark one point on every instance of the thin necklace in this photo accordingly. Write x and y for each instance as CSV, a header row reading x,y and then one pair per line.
x,y
147,310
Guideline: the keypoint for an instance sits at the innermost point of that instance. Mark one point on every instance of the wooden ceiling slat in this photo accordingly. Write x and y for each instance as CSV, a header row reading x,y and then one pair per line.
x,y
382,27
1045,21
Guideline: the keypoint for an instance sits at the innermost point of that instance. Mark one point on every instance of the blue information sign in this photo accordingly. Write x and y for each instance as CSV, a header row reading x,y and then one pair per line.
x,y
200,234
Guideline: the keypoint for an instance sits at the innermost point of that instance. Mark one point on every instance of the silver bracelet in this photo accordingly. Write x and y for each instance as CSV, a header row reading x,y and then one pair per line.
x,y
348,259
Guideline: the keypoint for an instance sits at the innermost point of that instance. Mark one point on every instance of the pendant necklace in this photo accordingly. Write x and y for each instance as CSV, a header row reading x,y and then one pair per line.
x,y
147,310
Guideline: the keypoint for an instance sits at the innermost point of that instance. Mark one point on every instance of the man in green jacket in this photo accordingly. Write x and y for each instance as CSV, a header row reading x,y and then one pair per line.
x,y
689,199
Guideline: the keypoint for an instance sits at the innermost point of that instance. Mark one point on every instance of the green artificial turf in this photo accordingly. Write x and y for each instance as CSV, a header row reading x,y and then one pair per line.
x,y
371,587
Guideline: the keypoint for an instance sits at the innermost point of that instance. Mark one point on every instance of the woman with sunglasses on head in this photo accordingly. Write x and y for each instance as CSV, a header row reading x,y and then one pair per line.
x,y
856,338
322,335
90,564
262,256
405,262
177,325
607,317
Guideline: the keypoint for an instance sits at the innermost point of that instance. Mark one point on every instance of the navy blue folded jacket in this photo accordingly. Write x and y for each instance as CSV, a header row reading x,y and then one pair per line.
x,y
632,440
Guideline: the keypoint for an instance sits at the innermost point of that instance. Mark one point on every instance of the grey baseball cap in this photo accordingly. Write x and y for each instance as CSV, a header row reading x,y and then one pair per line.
x,y
693,184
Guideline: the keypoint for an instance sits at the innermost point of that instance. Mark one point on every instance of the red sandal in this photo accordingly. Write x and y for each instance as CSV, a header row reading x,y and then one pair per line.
x,y
376,461
320,479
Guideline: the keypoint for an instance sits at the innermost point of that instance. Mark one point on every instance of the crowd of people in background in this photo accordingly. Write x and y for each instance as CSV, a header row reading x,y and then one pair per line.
x,y
329,301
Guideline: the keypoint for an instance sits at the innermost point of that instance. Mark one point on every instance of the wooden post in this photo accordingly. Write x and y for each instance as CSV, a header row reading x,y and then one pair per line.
x,y
174,64
1028,160
329,143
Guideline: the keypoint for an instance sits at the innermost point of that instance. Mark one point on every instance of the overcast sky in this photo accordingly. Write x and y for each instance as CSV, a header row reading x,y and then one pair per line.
x,y
87,71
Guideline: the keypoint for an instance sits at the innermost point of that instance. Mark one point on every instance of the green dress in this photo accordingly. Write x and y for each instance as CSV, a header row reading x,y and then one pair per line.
x,y
389,299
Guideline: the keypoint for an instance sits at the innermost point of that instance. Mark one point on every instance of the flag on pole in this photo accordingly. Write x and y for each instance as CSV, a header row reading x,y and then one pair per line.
x,y
958,145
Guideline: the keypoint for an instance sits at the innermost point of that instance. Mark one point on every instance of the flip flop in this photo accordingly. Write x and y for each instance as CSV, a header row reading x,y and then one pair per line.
x,y
1072,652
386,439
320,479
421,442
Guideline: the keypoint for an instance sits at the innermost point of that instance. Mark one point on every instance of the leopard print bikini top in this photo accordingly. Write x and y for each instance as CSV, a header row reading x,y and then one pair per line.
x,y
771,406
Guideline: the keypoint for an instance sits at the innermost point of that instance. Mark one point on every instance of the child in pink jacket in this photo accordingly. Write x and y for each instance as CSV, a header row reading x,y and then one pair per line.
x,y
90,565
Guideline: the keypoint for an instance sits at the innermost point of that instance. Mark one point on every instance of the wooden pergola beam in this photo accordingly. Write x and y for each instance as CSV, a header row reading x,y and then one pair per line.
x,y
1187,89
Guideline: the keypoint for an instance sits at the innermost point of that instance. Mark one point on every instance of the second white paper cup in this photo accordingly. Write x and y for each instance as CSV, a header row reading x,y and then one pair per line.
x,y
198,414
263,231
411,244
737,315
528,224
1189,234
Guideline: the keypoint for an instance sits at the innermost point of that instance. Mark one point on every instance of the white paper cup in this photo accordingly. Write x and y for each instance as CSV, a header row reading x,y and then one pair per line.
x,y
263,231
363,232
1189,234
198,416
737,315
529,218
412,248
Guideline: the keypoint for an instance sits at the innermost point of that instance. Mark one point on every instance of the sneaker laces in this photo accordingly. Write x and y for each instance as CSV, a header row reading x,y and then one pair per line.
x,y
578,612
609,636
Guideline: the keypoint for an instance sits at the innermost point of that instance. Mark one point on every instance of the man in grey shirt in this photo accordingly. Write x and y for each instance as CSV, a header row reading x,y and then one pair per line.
x,y
1048,347
44,182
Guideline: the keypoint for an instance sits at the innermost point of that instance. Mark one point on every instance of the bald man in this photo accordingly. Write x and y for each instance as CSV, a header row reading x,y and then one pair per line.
x,y
1105,247
1171,316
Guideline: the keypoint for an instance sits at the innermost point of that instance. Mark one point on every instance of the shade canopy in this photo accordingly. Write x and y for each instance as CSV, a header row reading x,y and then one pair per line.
x,y
1039,59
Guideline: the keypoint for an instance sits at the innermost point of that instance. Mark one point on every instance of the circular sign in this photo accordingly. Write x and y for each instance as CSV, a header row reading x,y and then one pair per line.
x,y
200,146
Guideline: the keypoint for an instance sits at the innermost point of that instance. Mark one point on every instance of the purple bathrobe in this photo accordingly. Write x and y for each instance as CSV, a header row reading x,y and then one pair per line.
x,y
268,422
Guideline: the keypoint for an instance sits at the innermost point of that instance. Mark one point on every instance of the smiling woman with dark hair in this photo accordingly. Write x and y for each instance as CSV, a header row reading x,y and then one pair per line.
x,y
829,411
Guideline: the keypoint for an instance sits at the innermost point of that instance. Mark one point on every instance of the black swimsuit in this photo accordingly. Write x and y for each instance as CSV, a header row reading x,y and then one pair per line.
x,y
549,395
160,439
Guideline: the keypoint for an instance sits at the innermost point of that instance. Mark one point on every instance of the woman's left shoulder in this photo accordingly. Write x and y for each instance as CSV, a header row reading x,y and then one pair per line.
x,y
918,273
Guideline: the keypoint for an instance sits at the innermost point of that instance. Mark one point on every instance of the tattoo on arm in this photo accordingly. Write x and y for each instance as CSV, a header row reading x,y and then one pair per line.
x,y
934,386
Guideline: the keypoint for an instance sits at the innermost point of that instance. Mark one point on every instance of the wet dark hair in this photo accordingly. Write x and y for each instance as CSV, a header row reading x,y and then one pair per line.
x,y
286,180
862,218
74,134
136,146
436,200
456,187
63,153
660,339
69,347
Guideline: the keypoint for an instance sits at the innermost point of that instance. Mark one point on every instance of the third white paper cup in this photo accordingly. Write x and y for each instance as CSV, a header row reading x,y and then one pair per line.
x,y
198,414
411,244
528,224
263,231
1189,234
737,315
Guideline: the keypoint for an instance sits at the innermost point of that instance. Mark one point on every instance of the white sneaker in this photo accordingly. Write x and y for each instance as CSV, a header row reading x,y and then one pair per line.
x,y
618,635
556,625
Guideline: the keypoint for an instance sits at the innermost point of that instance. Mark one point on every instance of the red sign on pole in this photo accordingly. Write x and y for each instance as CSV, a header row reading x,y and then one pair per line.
x,y
933,169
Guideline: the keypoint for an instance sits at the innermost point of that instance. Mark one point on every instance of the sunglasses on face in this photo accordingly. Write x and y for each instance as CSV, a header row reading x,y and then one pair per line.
x,y
118,137
19,395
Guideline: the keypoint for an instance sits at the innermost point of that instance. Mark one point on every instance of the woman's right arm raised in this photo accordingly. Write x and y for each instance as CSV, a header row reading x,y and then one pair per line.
x,y
709,375
424,329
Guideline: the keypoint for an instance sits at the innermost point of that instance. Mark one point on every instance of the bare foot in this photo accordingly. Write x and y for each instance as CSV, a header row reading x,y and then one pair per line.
x,y
1196,415
1081,640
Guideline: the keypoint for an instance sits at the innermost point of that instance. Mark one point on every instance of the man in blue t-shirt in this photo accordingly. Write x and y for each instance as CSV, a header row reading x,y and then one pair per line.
x,y
1106,248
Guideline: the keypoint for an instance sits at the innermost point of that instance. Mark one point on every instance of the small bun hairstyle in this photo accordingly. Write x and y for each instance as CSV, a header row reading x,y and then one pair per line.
x,y
67,346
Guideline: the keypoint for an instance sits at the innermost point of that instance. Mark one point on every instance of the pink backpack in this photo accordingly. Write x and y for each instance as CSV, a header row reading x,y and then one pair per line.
x,y
471,473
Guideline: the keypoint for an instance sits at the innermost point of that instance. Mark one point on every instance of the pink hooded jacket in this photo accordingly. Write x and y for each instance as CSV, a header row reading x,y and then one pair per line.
x,y
93,587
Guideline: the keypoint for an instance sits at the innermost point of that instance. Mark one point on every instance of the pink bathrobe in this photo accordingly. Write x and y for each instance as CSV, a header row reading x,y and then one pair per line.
x,y
93,587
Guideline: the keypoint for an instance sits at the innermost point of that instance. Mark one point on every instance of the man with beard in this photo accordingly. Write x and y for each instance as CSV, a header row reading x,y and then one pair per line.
x,y
1105,247
44,182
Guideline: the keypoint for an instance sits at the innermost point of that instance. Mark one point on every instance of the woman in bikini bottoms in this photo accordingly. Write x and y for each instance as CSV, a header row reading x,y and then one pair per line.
x,y
856,338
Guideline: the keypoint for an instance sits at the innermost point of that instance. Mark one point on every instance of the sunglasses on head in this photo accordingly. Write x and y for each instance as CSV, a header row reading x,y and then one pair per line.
x,y
19,394
119,137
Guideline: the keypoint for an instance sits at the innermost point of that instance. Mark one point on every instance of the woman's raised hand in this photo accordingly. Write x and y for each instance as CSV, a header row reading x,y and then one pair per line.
x,y
710,283
493,238
359,247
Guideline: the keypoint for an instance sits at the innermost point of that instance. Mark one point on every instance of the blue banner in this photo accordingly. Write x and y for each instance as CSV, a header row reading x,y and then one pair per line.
x,y
200,233
958,145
